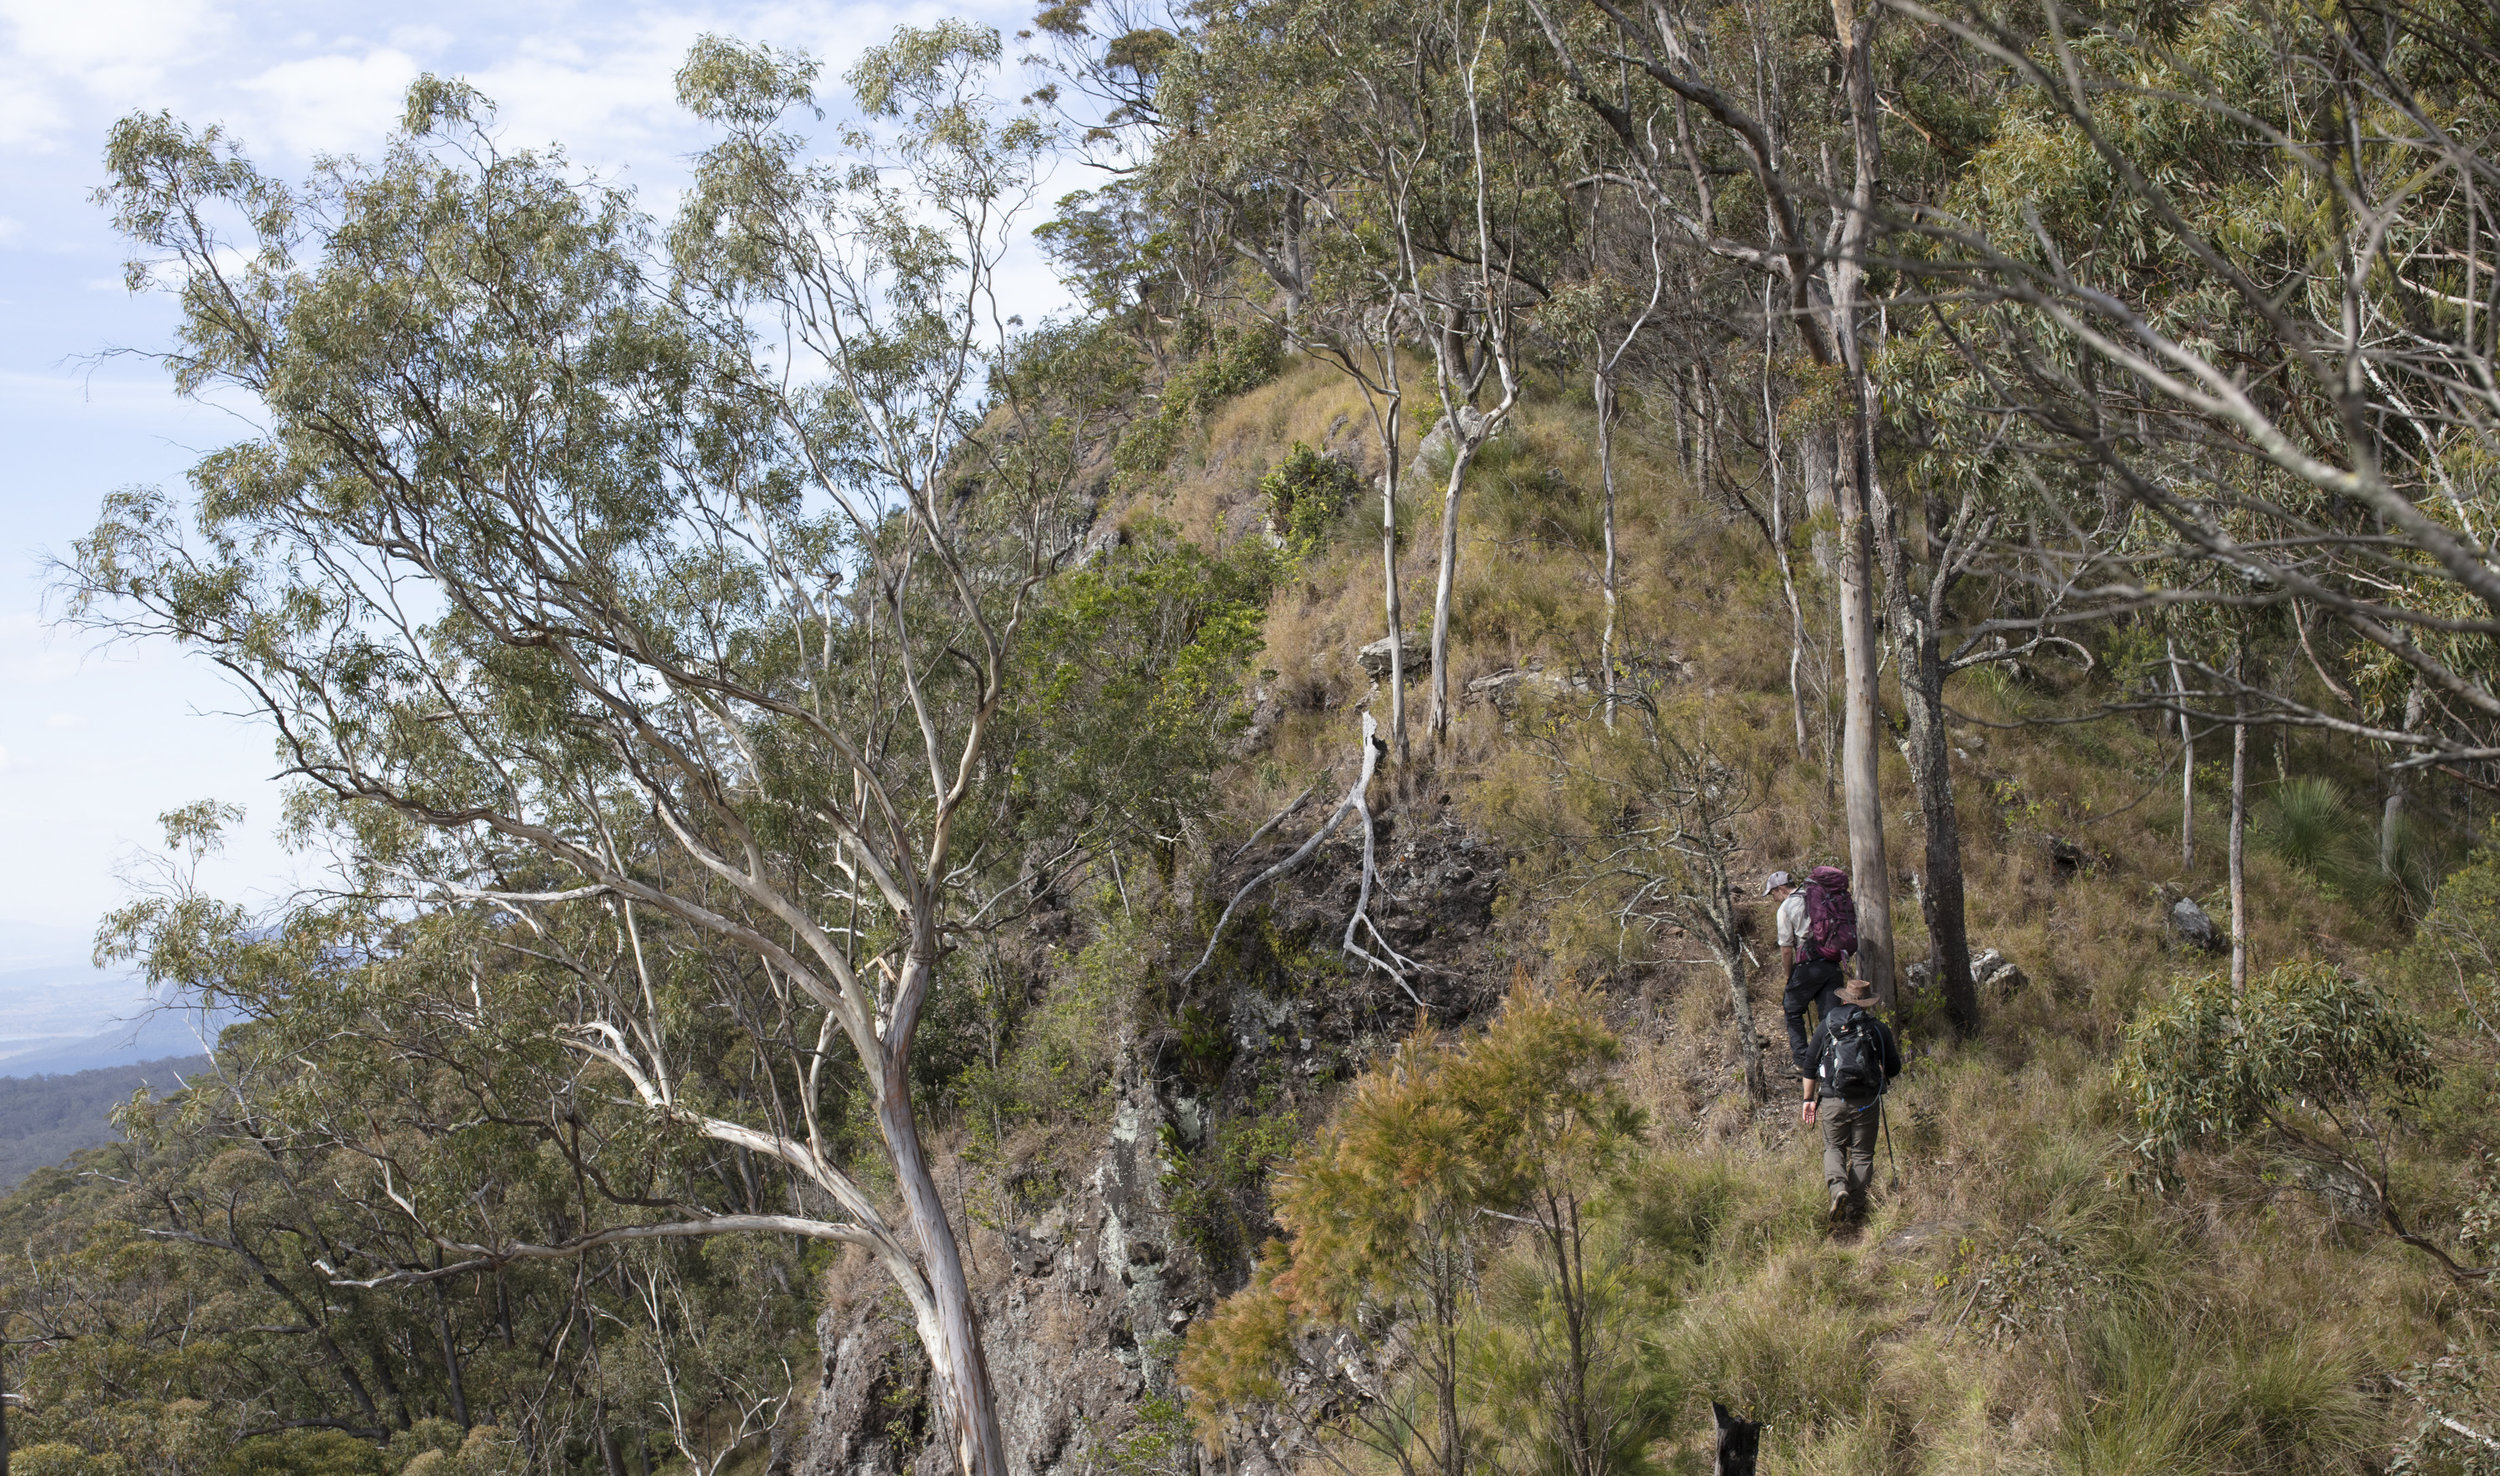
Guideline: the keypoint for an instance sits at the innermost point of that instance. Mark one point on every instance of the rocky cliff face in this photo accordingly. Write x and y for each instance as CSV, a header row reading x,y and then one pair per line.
x,y
1084,1299
1076,1305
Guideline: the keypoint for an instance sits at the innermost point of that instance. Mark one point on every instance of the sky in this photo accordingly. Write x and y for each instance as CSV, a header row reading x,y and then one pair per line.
x,y
95,743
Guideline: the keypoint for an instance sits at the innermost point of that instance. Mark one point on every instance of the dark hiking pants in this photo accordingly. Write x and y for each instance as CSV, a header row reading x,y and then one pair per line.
x,y
1849,1145
1811,982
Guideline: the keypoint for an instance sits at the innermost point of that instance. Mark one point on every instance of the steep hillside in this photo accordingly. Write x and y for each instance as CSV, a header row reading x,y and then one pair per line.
x,y
2024,1297
45,1119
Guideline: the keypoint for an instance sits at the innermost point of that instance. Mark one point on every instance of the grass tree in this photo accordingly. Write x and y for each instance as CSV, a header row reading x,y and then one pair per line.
x,y
669,579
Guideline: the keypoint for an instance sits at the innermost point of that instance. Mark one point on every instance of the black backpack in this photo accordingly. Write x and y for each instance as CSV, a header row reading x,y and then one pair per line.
x,y
1852,1063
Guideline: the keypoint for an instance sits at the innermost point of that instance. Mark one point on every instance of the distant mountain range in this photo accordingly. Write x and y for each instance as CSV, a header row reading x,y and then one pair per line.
x,y
45,1119
69,1017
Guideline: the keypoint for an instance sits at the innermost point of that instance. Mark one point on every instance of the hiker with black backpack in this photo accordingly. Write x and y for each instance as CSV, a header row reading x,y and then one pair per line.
x,y
1817,926
1854,1059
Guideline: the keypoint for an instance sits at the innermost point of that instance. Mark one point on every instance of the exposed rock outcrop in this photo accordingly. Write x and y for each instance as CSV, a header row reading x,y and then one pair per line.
x,y
1433,452
1083,1300
1077,1306
1504,688
1374,658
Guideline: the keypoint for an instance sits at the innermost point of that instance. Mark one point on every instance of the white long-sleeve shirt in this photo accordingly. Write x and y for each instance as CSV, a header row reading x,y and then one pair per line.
x,y
1792,919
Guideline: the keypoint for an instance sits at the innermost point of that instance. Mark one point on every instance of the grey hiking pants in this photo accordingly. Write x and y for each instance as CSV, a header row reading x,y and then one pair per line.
x,y
1849,1144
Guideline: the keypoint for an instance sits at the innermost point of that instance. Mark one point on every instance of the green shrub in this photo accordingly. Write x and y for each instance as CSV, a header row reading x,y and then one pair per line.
x,y
52,1458
1058,1068
305,1453
1217,1195
1233,360
1306,494
1157,1442
2304,1052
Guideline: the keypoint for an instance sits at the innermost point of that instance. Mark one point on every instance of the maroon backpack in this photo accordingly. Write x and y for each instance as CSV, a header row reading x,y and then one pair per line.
x,y
1831,917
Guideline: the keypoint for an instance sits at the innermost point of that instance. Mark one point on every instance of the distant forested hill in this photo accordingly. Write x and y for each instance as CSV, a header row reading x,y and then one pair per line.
x,y
44,1119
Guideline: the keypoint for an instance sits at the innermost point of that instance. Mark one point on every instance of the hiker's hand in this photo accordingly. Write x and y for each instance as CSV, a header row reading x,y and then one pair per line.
x,y
1805,1112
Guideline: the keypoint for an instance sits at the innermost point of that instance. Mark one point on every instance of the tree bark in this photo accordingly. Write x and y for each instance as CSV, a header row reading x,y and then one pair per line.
x,y
1862,800
2187,764
611,1460
451,1354
1748,1045
2399,786
1389,583
1459,380
1921,658
1445,581
1465,445
957,1363
2239,838
1605,389
1773,457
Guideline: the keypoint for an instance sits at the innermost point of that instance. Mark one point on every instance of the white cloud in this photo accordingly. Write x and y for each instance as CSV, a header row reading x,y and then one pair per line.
x,y
108,44
422,39
64,720
118,51
335,104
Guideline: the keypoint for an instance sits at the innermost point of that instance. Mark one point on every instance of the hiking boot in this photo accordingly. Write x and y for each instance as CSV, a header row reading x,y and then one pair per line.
x,y
1842,1212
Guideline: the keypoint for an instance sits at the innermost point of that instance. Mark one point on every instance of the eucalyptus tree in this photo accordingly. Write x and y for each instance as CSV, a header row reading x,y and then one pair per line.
x,y
1384,169
644,591
397,1166
1697,95
1602,318
1461,257
1266,144
2225,286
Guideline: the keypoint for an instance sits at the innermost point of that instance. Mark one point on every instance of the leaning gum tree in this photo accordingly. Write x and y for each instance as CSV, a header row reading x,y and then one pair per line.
x,y
664,578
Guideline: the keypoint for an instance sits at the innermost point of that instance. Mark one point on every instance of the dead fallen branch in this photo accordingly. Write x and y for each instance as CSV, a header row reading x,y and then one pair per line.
x,y
1379,954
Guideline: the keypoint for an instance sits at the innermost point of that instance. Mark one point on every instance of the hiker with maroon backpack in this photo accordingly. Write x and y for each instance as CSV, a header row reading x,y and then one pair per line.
x,y
1817,928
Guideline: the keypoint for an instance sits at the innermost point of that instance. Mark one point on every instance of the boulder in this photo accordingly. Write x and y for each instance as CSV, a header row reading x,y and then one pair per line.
x,y
1433,452
1994,972
1374,658
1989,970
2193,929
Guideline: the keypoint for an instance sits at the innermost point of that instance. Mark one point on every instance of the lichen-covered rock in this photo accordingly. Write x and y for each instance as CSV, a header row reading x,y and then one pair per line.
x,y
1078,1309
1994,973
1374,658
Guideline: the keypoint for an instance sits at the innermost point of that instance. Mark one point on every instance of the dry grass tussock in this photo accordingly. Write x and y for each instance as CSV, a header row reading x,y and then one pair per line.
x,y
2014,1305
